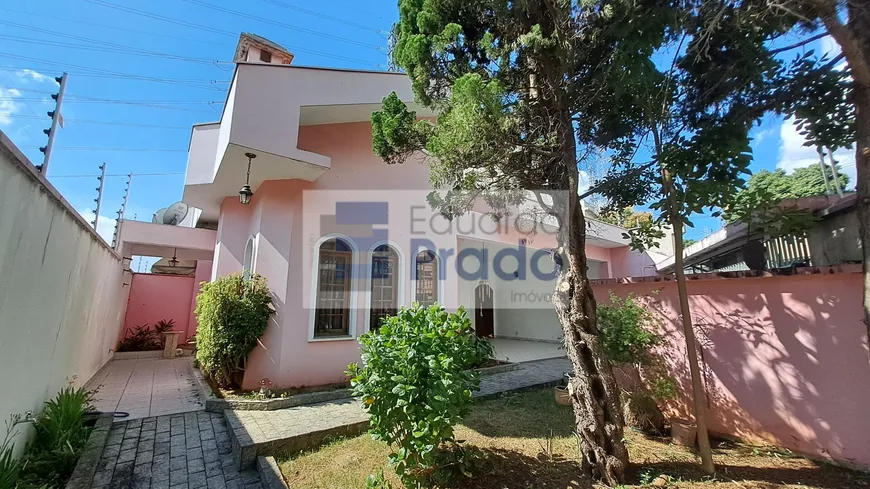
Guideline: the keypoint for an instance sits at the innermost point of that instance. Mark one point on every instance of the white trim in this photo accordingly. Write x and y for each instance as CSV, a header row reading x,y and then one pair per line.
x,y
331,338
442,270
252,241
315,277
367,293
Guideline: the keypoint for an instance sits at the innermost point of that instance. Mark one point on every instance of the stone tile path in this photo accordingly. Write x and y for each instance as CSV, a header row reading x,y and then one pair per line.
x,y
146,387
512,350
294,429
183,451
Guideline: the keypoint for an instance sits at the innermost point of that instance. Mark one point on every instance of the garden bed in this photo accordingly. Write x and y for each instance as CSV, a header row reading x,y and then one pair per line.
x,y
525,440
218,399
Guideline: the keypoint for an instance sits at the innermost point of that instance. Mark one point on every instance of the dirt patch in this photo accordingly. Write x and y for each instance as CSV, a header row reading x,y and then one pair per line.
x,y
222,393
525,440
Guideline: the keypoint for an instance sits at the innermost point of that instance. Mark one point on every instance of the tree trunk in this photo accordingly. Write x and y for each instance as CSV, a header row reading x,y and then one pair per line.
x,y
593,390
699,396
854,41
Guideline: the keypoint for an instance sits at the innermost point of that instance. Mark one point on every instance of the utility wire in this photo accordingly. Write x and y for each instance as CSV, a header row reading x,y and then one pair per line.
x,y
89,148
291,27
113,102
327,17
98,73
119,175
105,123
294,49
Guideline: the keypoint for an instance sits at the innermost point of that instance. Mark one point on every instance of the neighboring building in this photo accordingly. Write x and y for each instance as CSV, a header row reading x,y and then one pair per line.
x,y
344,239
833,240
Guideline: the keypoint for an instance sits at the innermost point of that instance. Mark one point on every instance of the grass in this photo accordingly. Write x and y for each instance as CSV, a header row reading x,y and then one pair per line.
x,y
525,440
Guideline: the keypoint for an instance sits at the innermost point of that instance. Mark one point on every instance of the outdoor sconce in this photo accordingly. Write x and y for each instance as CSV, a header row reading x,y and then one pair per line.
x,y
246,193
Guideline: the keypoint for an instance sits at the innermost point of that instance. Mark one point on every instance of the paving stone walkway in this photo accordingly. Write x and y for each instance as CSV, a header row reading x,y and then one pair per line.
x,y
184,451
294,429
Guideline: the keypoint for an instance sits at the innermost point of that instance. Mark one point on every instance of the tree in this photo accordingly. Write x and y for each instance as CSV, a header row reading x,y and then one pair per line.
x,y
498,74
626,217
831,105
771,187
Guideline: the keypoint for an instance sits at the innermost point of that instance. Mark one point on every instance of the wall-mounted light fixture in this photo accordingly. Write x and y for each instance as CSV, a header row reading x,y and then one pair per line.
x,y
246,193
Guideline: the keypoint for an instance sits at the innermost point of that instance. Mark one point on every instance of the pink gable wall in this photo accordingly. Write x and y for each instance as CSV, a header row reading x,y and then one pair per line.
x,y
785,358
156,297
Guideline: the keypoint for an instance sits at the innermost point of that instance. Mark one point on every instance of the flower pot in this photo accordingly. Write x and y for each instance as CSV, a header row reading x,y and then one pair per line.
x,y
684,432
562,397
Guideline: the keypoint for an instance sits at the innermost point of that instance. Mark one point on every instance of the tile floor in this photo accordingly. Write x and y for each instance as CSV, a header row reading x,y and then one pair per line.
x,y
518,351
146,387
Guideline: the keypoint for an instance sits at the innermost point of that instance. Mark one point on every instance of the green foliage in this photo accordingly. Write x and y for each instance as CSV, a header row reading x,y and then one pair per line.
x,y
626,217
415,384
630,334
145,338
627,330
233,314
61,425
10,466
61,434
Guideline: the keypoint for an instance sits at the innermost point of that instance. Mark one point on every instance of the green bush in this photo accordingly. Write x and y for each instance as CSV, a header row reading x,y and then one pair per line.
x,y
627,331
10,466
145,338
629,334
233,313
416,386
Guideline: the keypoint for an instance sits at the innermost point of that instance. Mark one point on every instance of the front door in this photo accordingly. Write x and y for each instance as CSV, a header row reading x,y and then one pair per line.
x,y
484,320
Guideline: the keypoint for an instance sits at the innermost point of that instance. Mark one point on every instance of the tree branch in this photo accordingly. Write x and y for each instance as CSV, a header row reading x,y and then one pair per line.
x,y
801,43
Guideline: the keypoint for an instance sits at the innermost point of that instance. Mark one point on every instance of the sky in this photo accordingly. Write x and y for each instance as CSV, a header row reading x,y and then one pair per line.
x,y
141,73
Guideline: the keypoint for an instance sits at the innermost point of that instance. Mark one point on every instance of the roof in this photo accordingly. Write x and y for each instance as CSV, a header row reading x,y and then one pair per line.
x,y
733,235
262,42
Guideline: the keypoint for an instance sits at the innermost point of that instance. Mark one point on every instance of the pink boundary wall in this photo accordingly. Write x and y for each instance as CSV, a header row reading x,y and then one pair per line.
x,y
156,297
785,358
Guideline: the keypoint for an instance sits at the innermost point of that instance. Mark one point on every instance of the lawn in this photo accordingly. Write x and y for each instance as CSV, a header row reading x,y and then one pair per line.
x,y
524,440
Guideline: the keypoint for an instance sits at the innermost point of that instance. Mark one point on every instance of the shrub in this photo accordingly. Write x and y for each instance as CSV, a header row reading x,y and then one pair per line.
x,y
10,466
61,434
233,313
145,338
629,334
415,384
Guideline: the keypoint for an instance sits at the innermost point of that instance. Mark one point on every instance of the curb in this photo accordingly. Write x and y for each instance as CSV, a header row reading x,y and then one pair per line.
x,y
83,475
270,474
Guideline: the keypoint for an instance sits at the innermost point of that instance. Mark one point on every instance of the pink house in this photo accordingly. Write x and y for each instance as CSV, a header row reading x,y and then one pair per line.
x,y
344,239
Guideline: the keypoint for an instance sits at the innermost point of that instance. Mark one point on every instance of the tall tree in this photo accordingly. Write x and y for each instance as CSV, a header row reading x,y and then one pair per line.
x,y
504,78
832,105
778,185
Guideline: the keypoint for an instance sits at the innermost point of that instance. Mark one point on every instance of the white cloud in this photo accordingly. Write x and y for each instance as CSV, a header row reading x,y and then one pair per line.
x,y
584,183
793,154
8,106
105,225
32,75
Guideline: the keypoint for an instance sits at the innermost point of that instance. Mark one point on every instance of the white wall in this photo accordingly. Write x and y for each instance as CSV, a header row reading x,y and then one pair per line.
x,y
61,293
522,307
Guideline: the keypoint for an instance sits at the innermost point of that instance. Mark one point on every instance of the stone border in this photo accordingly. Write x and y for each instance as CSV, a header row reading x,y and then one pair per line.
x,y
83,475
132,355
214,404
270,474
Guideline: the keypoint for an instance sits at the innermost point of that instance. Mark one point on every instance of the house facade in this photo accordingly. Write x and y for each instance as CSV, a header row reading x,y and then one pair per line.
x,y
345,239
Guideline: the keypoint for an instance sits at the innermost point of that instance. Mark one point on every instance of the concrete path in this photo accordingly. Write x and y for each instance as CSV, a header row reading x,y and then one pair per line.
x,y
146,387
295,429
184,451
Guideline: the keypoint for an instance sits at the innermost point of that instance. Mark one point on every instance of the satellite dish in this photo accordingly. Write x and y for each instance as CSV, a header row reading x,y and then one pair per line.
x,y
175,214
753,255
158,216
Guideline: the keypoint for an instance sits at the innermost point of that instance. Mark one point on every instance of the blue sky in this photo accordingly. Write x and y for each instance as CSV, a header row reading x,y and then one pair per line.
x,y
147,101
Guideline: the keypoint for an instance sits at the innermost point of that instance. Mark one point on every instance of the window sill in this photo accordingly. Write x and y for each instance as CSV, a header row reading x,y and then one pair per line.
x,y
330,338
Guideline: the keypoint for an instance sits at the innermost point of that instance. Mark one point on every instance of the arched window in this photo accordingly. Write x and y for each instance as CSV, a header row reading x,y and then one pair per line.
x,y
334,274
248,265
426,276
385,284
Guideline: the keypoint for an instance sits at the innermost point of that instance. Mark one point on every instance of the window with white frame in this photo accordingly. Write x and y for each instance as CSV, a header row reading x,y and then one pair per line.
x,y
384,285
426,278
334,275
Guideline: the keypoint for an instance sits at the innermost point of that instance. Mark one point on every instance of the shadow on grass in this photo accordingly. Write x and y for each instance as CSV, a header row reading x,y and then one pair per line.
x,y
494,468
817,476
530,414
